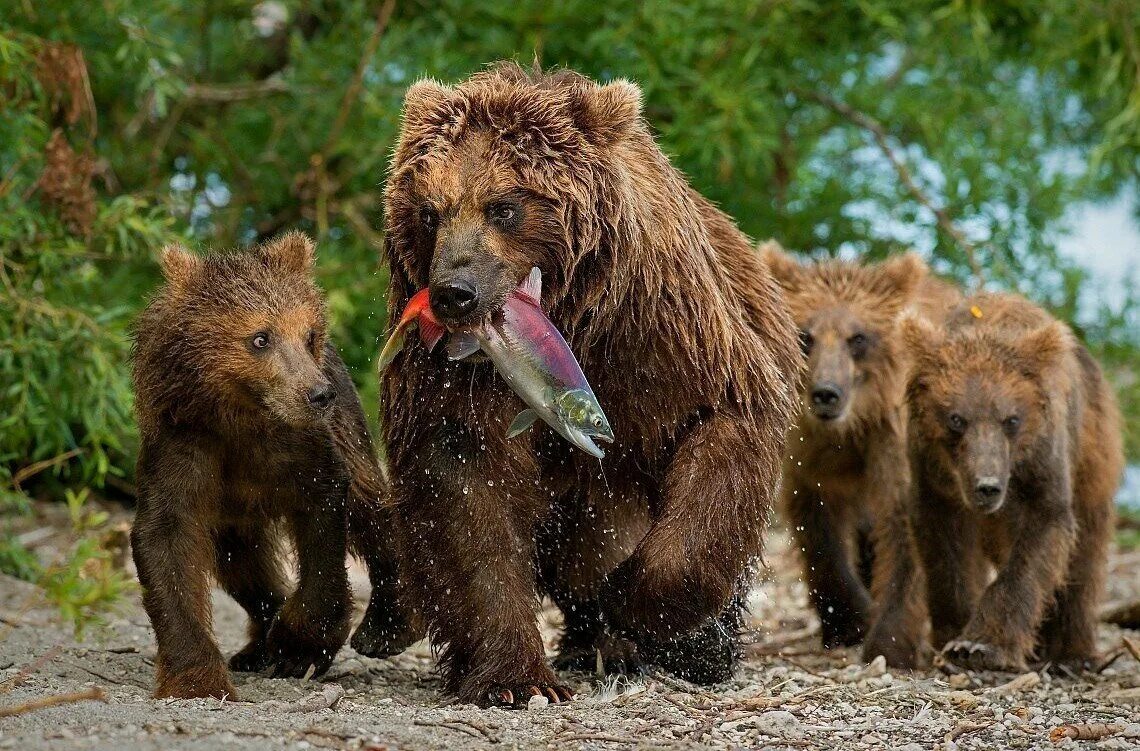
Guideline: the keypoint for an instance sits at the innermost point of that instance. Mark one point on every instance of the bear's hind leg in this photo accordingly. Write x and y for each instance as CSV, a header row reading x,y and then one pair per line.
x,y
591,532
249,570
388,627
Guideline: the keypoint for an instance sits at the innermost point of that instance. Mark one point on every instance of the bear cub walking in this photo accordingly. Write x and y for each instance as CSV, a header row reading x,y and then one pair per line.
x,y
252,435
1015,449
846,478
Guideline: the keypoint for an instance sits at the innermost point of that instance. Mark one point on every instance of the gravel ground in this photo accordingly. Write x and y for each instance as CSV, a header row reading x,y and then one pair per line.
x,y
788,694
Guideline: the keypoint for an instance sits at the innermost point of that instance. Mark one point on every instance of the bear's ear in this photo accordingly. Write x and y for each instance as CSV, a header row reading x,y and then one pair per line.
x,y
424,97
787,271
895,281
293,251
1041,350
902,274
610,112
179,266
921,339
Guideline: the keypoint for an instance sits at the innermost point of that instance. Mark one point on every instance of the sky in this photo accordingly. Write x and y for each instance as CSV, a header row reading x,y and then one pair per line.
x,y
1105,238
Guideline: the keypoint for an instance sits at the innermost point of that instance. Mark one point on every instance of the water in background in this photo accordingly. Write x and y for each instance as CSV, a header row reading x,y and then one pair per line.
x,y
1129,494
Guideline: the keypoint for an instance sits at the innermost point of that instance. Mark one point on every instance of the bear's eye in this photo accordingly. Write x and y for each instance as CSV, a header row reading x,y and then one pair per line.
x,y
1011,424
503,213
260,340
857,343
956,422
428,218
807,341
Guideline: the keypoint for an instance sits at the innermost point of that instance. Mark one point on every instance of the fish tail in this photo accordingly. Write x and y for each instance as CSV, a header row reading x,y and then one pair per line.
x,y
392,347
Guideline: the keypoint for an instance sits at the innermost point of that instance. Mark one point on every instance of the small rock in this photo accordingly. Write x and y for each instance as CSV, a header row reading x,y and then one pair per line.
x,y
910,747
779,722
959,680
1125,696
537,702
962,699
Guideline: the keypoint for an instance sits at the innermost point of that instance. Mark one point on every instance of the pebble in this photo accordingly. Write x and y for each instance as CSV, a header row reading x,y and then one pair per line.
x,y
962,699
537,702
779,722
959,680
1125,696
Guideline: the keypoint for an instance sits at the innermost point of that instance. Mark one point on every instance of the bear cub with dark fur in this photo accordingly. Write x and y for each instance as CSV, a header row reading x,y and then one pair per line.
x,y
252,435
1015,451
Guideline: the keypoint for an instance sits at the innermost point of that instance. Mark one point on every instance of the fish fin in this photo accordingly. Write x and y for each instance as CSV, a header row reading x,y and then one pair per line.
x,y
522,422
531,287
392,347
461,344
430,332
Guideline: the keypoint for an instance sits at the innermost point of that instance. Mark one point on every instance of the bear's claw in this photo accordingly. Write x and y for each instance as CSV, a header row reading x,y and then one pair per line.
x,y
516,696
978,655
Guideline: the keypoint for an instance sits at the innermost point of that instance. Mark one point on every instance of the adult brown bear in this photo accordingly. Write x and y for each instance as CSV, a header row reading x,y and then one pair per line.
x,y
684,335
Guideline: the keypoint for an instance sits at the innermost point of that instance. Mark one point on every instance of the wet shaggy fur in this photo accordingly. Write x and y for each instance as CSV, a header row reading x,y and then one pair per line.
x,y
1015,447
236,460
846,477
684,336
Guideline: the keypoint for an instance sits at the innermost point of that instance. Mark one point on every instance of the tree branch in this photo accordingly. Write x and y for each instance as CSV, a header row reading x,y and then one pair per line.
x,y
224,93
882,140
353,90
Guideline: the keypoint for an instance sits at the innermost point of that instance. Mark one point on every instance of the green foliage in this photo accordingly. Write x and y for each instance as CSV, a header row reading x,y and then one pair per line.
x,y
224,122
87,584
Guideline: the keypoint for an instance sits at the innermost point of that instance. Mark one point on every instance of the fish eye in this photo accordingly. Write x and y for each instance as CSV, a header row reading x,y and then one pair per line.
x,y
260,340
597,421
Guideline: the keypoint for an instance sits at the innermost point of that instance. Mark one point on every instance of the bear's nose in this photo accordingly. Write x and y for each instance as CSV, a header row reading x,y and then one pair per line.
x,y
825,395
988,488
321,396
454,299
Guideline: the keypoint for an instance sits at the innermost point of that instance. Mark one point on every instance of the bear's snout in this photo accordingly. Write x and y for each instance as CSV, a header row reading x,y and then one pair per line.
x,y
454,298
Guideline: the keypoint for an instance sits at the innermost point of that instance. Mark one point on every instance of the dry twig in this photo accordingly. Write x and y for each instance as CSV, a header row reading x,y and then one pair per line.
x,y
94,693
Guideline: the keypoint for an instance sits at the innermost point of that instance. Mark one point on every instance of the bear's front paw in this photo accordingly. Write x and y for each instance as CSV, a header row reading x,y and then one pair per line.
x,y
842,630
196,683
384,633
252,658
658,604
296,653
899,651
518,695
899,642
609,655
981,655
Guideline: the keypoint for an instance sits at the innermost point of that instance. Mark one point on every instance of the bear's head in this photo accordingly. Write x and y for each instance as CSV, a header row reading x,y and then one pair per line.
x,y
242,330
502,173
984,399
847,314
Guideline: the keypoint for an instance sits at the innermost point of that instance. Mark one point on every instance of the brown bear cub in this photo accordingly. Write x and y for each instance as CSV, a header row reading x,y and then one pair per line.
x,y
846,478
1015,451
252,435
684,335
